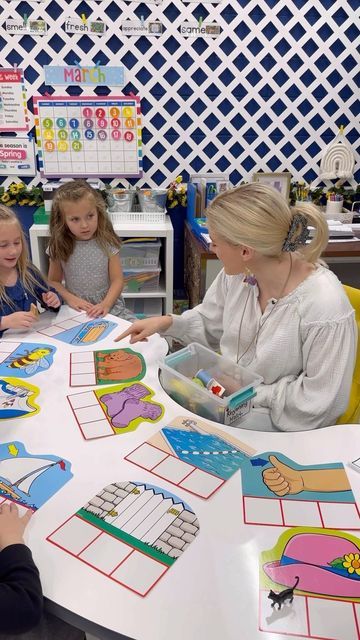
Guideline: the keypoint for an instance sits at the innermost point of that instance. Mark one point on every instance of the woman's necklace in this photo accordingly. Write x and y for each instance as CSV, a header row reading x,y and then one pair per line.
x,y
255,338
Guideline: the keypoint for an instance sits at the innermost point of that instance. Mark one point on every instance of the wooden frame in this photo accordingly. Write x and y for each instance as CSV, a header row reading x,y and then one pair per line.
x,y
280,181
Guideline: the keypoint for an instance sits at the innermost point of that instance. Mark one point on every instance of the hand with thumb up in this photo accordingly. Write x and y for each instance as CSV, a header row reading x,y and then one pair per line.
x,y
282,479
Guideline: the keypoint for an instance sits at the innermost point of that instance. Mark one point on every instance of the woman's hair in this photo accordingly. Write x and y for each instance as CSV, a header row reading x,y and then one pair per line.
x,y
27,271
62,241
257,216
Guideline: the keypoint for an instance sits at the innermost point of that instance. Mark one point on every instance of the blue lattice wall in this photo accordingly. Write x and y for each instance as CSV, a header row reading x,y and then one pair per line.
x,y
268,94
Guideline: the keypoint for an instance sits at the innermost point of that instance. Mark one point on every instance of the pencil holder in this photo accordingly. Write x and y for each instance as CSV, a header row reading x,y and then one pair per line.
x,y
334,209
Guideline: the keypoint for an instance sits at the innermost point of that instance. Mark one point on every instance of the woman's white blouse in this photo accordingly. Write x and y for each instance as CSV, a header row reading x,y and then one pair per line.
x,y
305,350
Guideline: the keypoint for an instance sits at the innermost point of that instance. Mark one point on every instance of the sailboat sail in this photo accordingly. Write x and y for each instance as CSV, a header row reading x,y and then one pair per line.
x,y
21,472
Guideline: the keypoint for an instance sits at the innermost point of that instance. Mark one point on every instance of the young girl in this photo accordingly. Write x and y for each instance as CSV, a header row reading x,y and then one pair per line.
x,y
84,252
21,284
275,308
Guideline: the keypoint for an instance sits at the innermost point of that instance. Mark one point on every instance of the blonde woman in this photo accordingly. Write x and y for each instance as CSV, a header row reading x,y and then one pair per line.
x,y
275,308
22,286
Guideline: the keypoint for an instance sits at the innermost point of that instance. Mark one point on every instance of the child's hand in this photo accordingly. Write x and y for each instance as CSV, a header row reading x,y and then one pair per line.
x,y
51,299
18,320
78,303
98,310
12,526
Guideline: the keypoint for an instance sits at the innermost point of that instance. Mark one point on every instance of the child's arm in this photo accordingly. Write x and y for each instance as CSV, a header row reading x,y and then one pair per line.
x,y
116,286
55,278
21,601
17,320
45,294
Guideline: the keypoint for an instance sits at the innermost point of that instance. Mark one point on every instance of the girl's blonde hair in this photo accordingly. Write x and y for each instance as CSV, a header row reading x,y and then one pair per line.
x,y
257,216
27,271
62,241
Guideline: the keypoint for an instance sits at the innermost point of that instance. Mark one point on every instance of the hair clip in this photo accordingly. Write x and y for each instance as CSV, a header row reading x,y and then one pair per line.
x,y
291,243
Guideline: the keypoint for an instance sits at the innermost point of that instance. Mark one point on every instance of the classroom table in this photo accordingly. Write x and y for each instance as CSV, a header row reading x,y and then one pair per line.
x,y
211,592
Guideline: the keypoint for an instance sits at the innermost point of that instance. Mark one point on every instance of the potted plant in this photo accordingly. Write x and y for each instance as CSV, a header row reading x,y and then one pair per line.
x,y
24,201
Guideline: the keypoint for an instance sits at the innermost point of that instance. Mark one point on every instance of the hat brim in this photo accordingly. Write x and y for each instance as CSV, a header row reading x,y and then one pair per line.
x,y
312,579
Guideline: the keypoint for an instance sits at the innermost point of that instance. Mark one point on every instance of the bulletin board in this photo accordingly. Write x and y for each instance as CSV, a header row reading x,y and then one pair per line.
x,y
91,135
268,94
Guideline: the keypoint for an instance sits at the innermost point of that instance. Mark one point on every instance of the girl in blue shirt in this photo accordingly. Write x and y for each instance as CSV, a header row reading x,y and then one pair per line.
x,y
21,284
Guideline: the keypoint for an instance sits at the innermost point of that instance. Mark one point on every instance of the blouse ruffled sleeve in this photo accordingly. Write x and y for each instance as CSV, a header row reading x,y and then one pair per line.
x,y
320,394
203,323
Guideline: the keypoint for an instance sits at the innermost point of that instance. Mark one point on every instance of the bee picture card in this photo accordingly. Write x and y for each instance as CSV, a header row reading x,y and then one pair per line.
x,y
131,532
24,359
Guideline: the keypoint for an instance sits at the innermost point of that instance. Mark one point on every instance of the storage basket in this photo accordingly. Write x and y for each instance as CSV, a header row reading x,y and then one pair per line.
x,y
137,280
137,217
140,255
145,307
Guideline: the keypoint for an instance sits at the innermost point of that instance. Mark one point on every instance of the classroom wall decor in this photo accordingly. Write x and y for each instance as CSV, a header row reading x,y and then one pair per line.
x,y
268,94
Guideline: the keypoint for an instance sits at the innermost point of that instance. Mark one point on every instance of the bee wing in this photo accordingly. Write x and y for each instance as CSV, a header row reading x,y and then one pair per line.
x,y
43,363
31,368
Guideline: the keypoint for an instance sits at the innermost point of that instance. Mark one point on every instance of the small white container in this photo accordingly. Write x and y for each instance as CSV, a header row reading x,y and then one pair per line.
x,y
140,255
333,209
178,369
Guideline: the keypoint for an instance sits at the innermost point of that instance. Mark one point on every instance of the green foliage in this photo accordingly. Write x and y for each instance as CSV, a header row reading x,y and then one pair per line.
x,y
19,194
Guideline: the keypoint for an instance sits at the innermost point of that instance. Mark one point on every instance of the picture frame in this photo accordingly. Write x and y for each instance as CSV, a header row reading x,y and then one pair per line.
x,y
279,181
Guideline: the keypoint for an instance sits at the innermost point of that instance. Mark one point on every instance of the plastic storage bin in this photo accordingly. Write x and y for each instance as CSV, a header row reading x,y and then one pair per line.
x,y
152,199
140,254
178,369
137,280
145,306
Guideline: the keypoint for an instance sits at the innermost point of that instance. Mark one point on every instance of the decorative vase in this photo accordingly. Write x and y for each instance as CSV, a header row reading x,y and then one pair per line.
x,y
178,217
26,218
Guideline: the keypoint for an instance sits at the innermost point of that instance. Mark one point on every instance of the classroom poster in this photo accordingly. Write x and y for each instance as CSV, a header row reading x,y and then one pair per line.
x,y
13,109
17,157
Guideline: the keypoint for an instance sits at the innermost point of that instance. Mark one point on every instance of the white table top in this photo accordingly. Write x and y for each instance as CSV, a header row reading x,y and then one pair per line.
x,y
212,592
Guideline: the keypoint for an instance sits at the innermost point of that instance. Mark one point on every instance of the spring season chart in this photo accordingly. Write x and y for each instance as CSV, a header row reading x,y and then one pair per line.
x,y
93,136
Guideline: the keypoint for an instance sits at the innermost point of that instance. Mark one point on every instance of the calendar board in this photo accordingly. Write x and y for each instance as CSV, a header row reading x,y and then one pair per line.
x,y
91,136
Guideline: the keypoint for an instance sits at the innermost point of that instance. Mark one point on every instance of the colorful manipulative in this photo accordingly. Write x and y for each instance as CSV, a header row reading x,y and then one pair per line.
x,y
204,378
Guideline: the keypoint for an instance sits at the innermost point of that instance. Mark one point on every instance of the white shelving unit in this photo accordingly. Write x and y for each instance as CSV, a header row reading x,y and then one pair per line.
x,y
39,235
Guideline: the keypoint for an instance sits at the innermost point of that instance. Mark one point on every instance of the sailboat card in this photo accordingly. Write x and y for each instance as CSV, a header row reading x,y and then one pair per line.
x,y
104,367
310,585
280,492
79,330
24,359
131,532
192,454
17,399
117,409
30,480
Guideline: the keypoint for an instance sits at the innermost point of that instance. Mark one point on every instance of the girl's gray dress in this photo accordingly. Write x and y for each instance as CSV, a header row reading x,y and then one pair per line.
x,y
86,274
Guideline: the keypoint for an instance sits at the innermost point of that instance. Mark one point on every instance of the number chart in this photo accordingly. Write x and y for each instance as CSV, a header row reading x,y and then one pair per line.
x,y
88,136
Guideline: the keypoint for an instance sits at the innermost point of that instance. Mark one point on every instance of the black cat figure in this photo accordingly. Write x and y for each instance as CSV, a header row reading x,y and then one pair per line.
x,y
287,594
